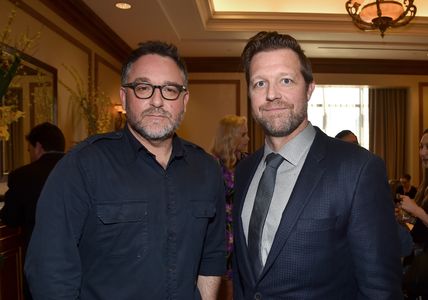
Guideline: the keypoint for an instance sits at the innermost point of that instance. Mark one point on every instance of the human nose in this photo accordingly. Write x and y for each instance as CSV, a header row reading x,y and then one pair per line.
x,y
272,93
156,99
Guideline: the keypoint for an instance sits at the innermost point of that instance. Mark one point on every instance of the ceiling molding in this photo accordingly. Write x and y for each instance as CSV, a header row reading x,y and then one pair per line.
x,y
300,22
80,16
319,65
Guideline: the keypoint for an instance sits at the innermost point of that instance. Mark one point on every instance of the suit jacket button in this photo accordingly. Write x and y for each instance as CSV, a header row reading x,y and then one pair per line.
x,y
257,296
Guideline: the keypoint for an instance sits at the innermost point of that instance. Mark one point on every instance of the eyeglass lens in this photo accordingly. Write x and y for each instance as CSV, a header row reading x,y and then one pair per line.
x,y
144,91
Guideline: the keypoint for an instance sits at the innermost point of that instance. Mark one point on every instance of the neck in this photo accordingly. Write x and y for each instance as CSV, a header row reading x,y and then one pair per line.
x,y
161,149
276,143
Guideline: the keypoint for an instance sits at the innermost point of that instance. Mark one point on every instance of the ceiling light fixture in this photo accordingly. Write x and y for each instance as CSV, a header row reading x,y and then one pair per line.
x,y
123,5
380,14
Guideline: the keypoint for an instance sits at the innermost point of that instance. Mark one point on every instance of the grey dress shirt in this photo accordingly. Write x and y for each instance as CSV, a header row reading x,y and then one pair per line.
x,y
294,153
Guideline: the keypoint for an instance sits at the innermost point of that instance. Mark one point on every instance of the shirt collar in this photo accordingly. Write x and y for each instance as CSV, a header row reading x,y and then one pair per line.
x,y
296,148
178,149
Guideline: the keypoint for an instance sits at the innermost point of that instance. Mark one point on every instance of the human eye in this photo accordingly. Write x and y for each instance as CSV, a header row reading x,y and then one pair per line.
x,y
142,87
142,90
170,92
171,89
286,81
259,84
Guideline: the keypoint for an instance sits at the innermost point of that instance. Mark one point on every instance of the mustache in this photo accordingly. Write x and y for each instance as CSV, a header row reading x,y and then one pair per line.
x,y
277,104
156,111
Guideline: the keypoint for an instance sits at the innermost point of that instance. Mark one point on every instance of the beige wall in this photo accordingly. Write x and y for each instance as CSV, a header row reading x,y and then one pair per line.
x,y
212,96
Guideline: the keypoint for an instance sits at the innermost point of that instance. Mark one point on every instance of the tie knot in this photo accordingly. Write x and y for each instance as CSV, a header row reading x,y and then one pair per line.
x,y
274,160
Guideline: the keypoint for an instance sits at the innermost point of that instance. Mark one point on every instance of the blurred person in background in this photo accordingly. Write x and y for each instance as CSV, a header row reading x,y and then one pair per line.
x,y
229,147
347,136
46,145
405,187
416,276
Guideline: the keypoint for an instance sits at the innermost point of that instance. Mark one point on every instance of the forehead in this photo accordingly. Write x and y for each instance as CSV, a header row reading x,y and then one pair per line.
x,y
424,139
155,68
276,59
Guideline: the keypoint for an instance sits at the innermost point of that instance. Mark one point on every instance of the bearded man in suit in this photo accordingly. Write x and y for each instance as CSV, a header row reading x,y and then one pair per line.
x,y
330,231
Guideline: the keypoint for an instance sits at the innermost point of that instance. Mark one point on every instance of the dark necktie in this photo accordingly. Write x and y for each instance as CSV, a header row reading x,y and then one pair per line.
x,y
260,210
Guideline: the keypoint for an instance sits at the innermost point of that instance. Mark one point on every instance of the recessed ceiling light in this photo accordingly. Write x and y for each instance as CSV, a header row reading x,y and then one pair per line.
x,y
123,5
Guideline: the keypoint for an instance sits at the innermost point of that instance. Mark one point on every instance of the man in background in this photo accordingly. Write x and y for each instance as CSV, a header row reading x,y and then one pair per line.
x,y
46,144
347,136
406,187
138,213
328,229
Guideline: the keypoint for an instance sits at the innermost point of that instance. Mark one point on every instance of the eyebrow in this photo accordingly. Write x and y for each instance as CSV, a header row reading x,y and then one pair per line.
x,y
147,80
141,79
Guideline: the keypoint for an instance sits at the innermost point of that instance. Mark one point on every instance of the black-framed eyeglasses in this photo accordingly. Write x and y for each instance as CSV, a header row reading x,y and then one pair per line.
x,y
144,90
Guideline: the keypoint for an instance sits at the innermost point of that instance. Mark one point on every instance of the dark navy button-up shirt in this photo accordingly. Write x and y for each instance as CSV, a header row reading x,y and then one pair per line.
x,y
113,224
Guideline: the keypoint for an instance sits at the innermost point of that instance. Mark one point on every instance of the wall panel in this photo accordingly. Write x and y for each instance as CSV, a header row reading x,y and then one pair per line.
x,y
210,100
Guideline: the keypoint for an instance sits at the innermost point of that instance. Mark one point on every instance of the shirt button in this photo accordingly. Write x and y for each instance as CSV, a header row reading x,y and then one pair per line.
x,y
257,296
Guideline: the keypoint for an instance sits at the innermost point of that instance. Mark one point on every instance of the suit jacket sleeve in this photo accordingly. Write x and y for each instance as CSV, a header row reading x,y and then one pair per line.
x,y
373,236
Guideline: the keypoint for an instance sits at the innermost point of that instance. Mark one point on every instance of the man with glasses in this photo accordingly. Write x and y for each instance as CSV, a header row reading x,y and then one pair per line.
x,y
135,214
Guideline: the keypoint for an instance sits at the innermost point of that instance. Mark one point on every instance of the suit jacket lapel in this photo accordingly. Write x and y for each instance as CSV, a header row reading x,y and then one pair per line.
x,y
247,172
311,173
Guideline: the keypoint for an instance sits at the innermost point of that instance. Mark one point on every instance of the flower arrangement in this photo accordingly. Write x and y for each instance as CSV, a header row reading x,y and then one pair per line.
x,y
8,115
9,66
95,105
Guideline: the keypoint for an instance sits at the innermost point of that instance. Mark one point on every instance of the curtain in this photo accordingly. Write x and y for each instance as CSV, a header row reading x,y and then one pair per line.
x,y
387,119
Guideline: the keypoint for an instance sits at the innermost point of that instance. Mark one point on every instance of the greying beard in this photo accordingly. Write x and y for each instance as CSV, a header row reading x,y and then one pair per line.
x,y
286,127
165,133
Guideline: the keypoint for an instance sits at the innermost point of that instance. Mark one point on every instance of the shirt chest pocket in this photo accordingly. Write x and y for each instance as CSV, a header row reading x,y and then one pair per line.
x,y
202,213
122,228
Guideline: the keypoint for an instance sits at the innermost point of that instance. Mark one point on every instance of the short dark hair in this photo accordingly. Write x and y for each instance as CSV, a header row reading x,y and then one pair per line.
x,y
343,133
406,176
266,41
154,47
48,135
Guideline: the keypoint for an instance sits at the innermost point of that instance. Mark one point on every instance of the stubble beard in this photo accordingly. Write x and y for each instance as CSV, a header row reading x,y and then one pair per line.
x,y
155,130
283,123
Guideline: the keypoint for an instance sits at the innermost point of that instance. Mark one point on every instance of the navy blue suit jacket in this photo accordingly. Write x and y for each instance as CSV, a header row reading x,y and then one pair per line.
x,y
337,238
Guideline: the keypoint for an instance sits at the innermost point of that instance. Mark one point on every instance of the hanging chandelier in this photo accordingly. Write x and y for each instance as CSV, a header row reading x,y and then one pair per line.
x,y
380,14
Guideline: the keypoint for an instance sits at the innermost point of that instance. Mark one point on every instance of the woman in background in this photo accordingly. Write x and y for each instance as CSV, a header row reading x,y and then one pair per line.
x,y
416,278
229,147
419,206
